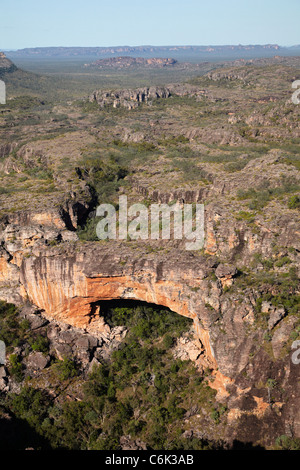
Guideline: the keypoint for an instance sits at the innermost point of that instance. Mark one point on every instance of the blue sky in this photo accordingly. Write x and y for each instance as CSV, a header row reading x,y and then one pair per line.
x,y
33,23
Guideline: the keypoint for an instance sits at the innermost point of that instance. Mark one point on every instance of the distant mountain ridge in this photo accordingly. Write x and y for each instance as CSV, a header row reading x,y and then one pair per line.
x,y
187,53
100,51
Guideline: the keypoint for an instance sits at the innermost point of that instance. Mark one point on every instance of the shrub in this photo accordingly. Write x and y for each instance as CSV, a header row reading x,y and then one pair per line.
x,y
12,330
287,443
282,261
66,369
30,404
168,341
294,202
39,343
15,367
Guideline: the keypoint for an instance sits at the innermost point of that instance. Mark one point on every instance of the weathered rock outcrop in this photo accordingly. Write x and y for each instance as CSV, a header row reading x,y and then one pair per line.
x,y
127,61
63,342
6,65
129,98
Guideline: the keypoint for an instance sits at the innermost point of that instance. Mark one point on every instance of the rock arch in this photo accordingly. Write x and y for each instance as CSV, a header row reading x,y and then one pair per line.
x,y
68,285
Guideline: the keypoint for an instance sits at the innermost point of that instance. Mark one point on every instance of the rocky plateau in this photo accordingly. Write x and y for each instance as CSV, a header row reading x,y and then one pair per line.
x,y
241,289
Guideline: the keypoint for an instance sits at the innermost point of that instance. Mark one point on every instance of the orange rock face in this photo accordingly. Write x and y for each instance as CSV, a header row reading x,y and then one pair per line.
x,y
67,287
68,281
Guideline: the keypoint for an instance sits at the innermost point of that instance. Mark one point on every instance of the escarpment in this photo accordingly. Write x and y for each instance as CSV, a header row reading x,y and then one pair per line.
x,y
195,143
67,280
129,99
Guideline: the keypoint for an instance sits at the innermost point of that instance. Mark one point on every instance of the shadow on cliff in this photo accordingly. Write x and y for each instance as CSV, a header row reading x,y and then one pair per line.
x,y
238,445
16,434
107,307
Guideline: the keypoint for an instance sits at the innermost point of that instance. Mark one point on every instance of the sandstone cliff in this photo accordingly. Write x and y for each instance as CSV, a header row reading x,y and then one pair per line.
x,y
129,99
67,282
125,62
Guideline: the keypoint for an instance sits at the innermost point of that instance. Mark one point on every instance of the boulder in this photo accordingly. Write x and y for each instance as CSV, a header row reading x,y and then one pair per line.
x,y
3,372
225,273
275,317
282,335
129,444
62,350
4,387
37,361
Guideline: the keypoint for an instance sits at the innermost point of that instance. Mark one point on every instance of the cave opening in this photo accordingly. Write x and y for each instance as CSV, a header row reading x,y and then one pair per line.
x,y
134,313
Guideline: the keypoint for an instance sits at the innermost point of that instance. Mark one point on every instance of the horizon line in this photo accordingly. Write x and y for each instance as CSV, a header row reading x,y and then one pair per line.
x,y
150,45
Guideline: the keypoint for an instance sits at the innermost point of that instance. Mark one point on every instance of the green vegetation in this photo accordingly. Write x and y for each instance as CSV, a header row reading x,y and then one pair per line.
x,y
65,79
190,170
16,367
13,331
294,202
145,321
141,391
287,443
66,369
244,215
278,288
16,332
102,176
262,195
104,179
39,343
